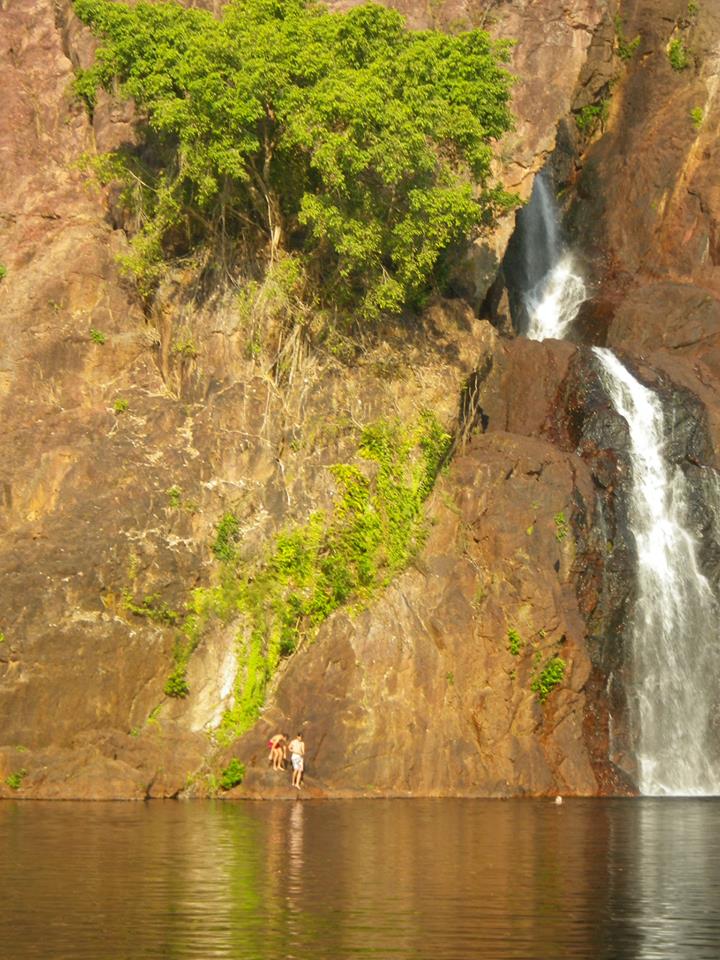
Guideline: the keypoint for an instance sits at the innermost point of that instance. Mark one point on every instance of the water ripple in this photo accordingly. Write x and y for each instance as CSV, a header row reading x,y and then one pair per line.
x,y
447,880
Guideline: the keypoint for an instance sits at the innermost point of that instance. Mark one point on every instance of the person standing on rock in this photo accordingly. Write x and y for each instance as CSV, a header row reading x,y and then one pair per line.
x,y
297,758
277,746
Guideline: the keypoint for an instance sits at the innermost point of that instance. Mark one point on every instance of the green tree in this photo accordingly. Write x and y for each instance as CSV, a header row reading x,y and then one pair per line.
x,y
361,146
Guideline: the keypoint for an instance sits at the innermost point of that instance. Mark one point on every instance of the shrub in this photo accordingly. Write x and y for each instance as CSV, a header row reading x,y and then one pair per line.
x,y
515,642
185,348
176,684
697,116
121,406
152,607
3,271
227,534
341,556
97,336
283,125
678,55
591,116
625,48
561,526
14,780
174,495
550,676
232,775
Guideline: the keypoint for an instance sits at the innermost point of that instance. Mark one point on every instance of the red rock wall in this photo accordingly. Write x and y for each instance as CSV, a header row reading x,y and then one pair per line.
x,y
648,207
419,693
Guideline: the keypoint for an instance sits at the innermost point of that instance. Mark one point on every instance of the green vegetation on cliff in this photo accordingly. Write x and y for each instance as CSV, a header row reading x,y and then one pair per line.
x,y
361,146
339,557
592,116
14,780
677,54
562,528
232,775
546,672
625,48
515,642
549,677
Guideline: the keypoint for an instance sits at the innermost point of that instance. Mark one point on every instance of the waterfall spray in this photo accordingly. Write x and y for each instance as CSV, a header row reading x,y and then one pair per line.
x,y
553,304
554,289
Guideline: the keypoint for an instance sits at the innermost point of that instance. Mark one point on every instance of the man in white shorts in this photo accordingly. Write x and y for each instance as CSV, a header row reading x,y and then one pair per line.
x,y
297,758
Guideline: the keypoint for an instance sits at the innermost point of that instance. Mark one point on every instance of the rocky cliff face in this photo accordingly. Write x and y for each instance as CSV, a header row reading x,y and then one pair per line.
x,y
646,203
126,436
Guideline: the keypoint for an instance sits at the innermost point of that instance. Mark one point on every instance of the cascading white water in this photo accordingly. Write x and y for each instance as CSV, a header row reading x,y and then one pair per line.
x,y
553,304
554,289
673,633
675,624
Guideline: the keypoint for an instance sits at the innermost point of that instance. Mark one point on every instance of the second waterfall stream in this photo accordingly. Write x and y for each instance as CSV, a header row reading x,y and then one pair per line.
x,y
673,653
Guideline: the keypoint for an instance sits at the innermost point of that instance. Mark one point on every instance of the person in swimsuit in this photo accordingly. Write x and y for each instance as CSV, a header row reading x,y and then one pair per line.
x,y
297,758
277,751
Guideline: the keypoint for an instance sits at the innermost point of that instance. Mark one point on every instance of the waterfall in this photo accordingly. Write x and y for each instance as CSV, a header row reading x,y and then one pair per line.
x,y
540,225
553,289
674,627
674,699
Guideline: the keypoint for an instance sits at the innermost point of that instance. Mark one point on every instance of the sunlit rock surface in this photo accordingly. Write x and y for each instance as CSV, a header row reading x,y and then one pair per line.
x,y
648,200
419,693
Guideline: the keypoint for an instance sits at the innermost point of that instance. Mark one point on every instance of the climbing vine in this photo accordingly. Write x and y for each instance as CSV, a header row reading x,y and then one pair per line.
x,y
342,556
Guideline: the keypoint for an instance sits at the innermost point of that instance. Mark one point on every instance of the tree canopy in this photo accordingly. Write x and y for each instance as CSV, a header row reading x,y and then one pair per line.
x,y
361,145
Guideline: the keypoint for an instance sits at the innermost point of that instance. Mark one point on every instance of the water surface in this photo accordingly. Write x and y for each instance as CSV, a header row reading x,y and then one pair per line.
x,y
339,880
